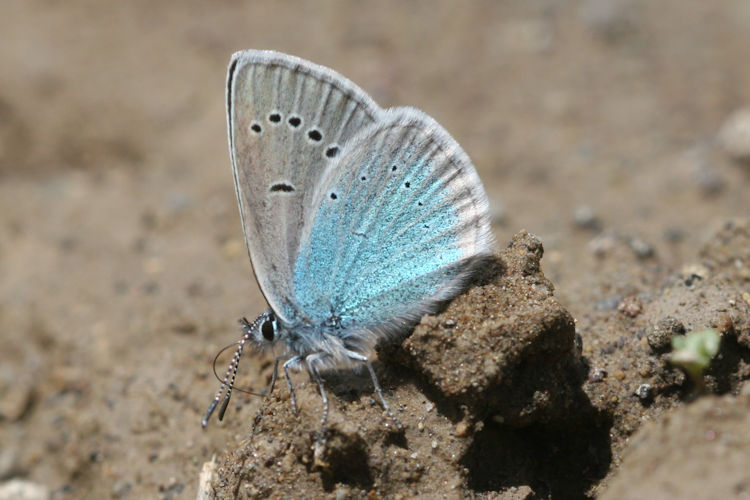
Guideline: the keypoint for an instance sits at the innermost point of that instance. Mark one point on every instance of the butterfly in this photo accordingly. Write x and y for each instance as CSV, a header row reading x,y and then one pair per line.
x,y
358,220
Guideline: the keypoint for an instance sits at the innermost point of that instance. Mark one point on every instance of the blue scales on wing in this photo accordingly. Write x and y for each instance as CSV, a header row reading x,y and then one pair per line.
x,y
398,221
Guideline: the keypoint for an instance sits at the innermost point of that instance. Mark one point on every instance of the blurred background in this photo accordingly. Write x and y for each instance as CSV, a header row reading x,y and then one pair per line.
x,y
595,124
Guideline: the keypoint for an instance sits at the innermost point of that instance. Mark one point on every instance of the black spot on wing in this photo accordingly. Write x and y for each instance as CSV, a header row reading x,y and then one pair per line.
x,y
282,187
314,135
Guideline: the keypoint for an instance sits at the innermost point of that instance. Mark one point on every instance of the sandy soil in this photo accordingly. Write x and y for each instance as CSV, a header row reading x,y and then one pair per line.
x,y
603,127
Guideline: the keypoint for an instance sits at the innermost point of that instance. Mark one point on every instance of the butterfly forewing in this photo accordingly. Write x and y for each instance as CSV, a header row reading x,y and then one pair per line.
x,y
396,224
288,120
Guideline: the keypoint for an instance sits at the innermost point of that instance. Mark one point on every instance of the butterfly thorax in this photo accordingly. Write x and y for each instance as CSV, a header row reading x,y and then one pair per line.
x,y
331,339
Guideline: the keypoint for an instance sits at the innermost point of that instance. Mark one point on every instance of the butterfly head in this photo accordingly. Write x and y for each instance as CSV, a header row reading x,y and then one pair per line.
x,y
263,332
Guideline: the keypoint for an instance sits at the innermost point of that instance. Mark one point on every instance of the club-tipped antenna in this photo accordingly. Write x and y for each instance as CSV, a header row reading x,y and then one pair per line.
x,y
220,379
228,382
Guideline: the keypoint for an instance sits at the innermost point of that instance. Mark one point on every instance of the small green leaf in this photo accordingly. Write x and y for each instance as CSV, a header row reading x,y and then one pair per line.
x,y
693,352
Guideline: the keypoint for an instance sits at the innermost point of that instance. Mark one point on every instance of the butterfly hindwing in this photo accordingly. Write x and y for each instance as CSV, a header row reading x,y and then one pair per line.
x,y
288,120
397,221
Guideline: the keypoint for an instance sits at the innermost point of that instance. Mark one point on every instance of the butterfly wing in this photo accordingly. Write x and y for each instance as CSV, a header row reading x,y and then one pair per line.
x,y
288,120
398,221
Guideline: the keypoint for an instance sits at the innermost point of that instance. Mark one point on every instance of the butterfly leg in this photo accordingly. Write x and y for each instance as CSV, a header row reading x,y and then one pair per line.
x,y
293,361
312,368
275,375
358,357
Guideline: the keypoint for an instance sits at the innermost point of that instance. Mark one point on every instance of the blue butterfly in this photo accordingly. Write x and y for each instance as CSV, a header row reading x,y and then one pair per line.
x,y
358,220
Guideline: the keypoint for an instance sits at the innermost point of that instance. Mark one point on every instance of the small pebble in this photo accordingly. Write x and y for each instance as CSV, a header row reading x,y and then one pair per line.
x,y
641,248
461,429
19,489
343,492
643,392
585,218
660,338
287,463
707,177
597,375
695,271
734,135
8,461
630,306
121,488
602,244
17,397
691,279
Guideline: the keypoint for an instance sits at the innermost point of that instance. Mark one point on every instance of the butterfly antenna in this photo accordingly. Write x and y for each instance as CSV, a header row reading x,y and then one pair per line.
x,y
228,381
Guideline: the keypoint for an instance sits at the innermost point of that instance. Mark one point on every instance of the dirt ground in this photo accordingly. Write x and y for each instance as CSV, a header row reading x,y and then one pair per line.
x,y
609,129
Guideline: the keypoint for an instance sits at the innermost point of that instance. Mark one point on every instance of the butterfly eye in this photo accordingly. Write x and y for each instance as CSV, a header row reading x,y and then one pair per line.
x,y
268,329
